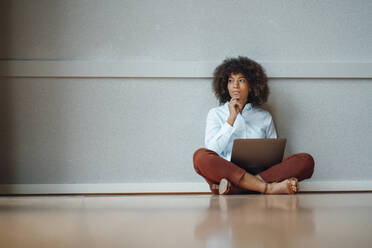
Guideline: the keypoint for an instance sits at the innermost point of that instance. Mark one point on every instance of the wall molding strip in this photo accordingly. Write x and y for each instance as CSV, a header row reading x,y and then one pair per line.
x,y
9,189
176,69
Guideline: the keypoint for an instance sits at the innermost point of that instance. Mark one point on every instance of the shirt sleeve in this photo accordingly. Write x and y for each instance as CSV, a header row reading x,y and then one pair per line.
x,y
270,130
216,136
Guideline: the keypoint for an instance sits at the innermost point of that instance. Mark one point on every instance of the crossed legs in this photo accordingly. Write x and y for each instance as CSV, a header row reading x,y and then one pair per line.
x,y
213,168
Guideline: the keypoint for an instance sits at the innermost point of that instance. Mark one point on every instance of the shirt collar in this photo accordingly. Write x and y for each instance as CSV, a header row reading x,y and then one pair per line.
x,y
247,107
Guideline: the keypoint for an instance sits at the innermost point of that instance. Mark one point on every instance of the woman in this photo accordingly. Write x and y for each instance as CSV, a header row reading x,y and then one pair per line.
x,y
240,84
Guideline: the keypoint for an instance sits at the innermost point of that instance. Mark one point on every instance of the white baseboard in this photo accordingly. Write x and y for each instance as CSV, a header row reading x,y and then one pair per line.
x,y
103,188
360,185
99,188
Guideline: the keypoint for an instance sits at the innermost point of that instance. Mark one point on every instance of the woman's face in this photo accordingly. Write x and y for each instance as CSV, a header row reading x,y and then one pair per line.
x,y
238,87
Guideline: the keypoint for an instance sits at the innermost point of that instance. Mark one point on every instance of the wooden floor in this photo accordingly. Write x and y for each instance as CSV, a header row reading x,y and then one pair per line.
x,y
302,220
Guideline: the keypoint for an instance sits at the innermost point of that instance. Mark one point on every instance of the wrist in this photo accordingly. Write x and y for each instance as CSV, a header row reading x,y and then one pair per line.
x,y
231,119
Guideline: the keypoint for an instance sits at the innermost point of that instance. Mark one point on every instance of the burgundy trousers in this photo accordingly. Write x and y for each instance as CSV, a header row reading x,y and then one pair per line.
x,y
213,168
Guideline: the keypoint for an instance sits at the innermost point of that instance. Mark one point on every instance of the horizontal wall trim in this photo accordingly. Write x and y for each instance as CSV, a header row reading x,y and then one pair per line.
x,y
175,69
313,186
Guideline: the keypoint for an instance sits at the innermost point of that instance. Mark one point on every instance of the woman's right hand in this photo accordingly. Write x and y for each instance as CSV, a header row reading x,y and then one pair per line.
x,y
234,108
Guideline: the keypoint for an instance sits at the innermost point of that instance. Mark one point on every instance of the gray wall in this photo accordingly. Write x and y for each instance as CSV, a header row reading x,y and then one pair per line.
x,y
191,30
106,130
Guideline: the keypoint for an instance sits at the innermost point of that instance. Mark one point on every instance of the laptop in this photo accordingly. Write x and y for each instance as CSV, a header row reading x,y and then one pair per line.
x,y
256,155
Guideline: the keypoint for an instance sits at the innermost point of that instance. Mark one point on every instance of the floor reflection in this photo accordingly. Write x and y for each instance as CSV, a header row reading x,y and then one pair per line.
x,y
272,221
301,220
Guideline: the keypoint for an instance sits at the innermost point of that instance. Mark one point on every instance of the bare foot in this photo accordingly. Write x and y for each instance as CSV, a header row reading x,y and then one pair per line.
x,y
282,188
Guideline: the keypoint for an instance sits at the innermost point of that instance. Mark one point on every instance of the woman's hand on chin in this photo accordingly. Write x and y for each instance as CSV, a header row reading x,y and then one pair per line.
x,y
235,106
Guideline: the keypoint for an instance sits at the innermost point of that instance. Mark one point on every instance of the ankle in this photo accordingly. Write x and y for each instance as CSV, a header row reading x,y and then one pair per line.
x,y
271,188
266,189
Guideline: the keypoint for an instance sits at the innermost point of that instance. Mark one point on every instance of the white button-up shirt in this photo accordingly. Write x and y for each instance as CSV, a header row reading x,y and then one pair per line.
x,y
253,123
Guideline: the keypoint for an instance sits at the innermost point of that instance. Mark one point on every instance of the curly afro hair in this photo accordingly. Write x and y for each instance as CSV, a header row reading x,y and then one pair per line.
x,y
254,73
